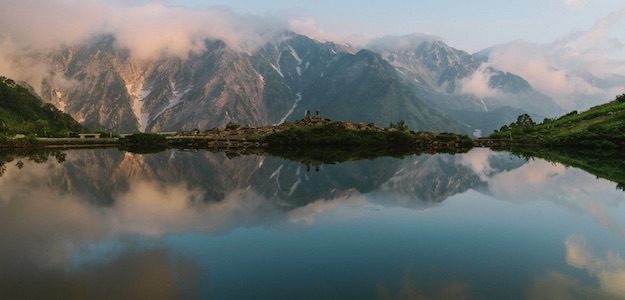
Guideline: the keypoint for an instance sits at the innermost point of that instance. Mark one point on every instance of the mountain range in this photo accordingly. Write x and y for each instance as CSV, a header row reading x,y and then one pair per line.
x,y
424,82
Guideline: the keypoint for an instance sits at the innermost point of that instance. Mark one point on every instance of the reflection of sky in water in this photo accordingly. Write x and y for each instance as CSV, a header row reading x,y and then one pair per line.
x,y
504,228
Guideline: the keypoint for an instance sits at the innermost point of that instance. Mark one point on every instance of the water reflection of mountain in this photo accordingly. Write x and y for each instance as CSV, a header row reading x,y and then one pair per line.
x,y
100,175
96,195
105,214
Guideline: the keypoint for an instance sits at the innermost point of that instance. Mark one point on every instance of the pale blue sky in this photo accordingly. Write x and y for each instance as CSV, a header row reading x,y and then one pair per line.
x,y
470,25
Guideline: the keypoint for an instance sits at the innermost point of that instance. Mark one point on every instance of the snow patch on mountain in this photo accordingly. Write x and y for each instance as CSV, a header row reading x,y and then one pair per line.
x,y
137,95
294,187
58,101
276,66
173,102
295,55
290,112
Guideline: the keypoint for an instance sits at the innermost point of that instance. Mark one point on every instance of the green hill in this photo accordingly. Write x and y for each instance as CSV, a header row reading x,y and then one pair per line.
x,y
601,126
22,112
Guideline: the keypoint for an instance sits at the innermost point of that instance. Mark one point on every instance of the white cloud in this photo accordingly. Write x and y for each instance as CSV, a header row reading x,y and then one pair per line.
x,y
308,26
146,28
478,84
576,4
568,69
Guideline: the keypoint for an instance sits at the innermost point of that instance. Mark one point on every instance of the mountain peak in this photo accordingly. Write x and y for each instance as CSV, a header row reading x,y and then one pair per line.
x,y
393,43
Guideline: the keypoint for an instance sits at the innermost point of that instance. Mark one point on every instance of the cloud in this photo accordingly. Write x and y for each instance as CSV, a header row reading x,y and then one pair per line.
x,y
578,70
147,28
575,4
308,26
478,84
400,43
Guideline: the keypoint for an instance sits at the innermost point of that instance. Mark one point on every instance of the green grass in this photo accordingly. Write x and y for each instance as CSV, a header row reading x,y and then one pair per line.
x,y
602,126
337,134
22,112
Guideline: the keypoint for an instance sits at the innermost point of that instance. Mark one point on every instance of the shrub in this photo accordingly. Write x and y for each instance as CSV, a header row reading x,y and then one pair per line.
x,y
400,126
145,140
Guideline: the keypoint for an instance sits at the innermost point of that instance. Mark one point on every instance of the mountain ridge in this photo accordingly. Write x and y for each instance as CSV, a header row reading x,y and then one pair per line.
x,y
104,87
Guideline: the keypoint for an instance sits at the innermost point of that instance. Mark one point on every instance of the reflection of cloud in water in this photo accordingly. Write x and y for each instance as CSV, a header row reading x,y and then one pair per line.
x,y
145,274
538,179
311,211
152,210
410,289
610,270
478,160
555,285
53,225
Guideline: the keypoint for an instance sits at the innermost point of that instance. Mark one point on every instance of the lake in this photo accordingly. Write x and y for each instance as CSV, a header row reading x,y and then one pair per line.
x,y
105,224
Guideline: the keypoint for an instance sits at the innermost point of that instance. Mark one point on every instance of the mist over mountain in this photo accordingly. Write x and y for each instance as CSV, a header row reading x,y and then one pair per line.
x,y
461,84
173,68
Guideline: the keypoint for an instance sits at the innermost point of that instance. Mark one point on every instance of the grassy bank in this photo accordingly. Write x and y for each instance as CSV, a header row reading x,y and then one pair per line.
x,y
602,126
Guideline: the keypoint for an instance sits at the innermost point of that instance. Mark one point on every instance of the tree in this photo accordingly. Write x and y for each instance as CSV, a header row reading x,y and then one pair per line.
x,y
524,120
400,126
41,127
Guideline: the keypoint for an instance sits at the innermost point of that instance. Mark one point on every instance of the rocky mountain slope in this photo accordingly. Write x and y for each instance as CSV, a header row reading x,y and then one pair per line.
x,y
460,83
426,83
104,87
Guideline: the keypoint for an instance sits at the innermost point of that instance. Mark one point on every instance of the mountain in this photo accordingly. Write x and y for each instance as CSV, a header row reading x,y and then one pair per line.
x,y
601,126
103,86
21,111
364,87
458,82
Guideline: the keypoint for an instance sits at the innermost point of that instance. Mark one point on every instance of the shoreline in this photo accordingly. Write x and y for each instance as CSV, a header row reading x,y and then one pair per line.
x,y
303,133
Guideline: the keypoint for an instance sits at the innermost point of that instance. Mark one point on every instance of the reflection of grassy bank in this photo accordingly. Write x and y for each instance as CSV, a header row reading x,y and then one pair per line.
x,y
607,164
34,155
331,155
144,143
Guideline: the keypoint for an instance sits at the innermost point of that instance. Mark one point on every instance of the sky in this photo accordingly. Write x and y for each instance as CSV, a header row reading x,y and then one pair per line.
x,y
469,25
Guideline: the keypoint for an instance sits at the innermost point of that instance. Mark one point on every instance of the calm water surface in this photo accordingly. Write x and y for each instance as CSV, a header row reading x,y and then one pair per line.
x,y
481,225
